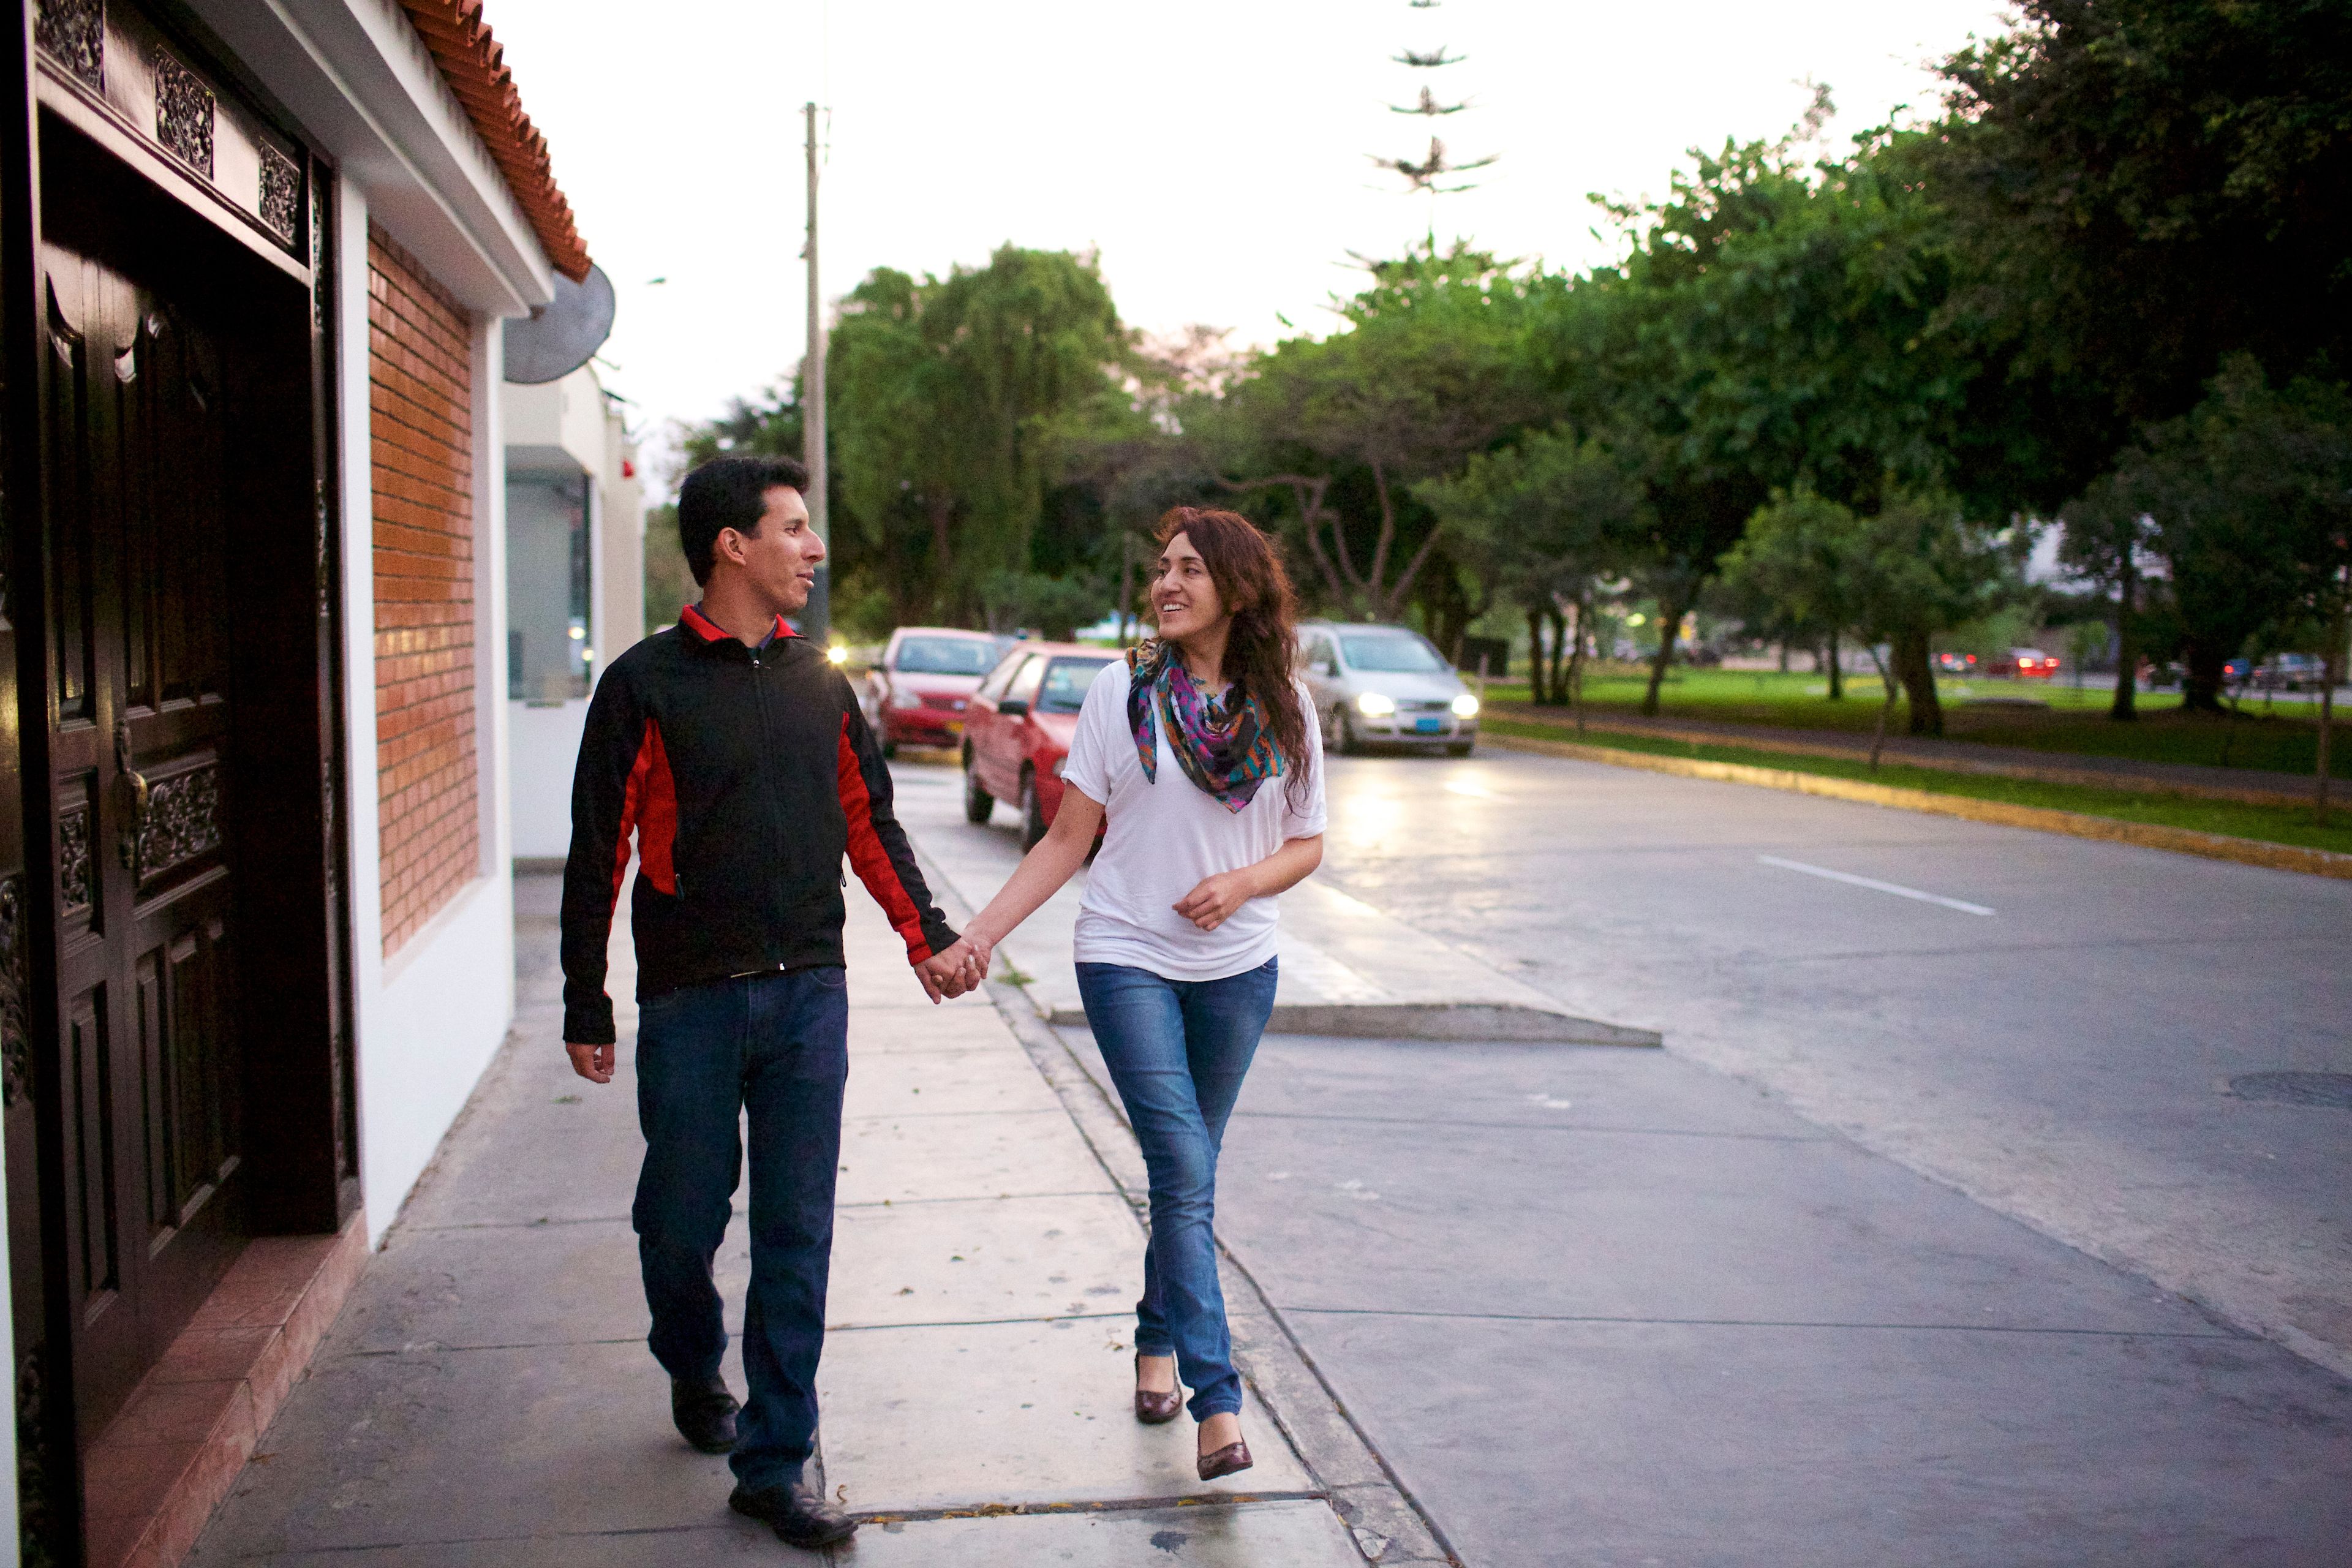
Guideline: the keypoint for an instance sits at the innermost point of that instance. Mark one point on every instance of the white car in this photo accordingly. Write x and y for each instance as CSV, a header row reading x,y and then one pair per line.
x,y
1377,685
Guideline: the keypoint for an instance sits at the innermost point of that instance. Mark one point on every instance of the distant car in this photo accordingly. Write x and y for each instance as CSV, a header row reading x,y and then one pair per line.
x,y
1957,663
916,695
2024,664
1385,686
2291,672
1018,728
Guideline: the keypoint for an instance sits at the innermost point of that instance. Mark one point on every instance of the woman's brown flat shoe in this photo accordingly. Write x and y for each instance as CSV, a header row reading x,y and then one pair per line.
x,y
1225,1461
1157,1409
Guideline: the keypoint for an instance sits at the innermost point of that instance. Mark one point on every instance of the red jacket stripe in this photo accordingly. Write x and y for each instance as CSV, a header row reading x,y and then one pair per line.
x,y
633,801
649,810
868,857
657,819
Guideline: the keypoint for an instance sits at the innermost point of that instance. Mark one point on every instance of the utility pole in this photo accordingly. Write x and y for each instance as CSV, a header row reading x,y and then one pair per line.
x,y
816,620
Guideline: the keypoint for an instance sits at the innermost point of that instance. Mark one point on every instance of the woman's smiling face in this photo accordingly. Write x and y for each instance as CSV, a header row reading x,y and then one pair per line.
x,y
1184,597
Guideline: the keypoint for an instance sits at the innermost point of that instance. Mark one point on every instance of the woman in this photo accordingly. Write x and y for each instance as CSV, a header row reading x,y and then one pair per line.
x,y
1202,749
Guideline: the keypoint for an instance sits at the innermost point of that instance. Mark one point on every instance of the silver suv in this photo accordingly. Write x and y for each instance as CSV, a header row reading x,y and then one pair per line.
x,y
1387,685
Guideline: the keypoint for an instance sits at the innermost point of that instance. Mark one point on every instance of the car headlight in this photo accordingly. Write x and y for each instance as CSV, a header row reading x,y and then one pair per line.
x,y
901,698
1466,706
1373,705
1057,765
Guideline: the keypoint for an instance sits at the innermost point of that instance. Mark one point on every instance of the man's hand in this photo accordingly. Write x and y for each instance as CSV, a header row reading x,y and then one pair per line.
x,y
1212,903
593,1063
953,972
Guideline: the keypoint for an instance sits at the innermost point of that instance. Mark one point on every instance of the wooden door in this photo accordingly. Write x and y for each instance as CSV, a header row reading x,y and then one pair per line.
x,y
138,427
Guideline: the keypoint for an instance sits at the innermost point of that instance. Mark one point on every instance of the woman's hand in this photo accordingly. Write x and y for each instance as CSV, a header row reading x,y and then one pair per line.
x,y
1212,903
969,958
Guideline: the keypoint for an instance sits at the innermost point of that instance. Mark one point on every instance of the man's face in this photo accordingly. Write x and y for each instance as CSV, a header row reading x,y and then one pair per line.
x,y
779,560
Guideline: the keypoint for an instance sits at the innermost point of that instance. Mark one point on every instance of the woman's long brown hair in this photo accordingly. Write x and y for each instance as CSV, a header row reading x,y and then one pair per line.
x,y
1261,649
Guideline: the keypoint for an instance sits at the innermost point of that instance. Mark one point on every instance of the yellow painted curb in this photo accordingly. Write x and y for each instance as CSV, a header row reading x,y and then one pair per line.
x,y
2075,823
2056,773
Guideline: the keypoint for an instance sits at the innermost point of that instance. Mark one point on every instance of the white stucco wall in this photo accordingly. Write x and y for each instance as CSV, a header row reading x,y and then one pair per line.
x,y
430,1017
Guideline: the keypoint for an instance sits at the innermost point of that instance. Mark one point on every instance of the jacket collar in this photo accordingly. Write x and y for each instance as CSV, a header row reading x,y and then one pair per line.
x,y
692,618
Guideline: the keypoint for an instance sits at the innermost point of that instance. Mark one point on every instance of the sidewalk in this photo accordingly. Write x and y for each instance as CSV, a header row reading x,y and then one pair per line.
x,y
2251,786
487,1396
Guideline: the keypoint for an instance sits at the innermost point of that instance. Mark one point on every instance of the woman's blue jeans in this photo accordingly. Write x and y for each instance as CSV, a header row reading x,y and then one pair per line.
x,y
777,1047
1178,1050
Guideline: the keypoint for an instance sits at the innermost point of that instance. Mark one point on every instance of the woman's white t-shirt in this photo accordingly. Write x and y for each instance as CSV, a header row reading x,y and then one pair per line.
x,y
1165,836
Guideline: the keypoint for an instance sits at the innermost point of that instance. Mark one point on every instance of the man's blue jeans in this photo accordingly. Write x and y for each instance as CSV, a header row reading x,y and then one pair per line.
x,y
776,1045
1178,1050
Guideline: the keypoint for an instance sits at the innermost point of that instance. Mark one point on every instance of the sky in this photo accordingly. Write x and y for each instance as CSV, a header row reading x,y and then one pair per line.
x,y
1216,156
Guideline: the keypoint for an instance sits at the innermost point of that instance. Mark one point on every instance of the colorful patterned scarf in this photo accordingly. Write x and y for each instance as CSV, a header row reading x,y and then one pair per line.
x,y
1225,753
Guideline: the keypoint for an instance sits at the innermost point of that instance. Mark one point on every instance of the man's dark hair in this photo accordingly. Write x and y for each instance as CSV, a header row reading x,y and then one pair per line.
x,y
729,492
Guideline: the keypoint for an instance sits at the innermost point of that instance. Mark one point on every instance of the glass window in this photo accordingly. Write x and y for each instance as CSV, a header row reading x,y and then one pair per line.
x,y
1024,685
1066,679
1391,653
1000,678
946,655
548,654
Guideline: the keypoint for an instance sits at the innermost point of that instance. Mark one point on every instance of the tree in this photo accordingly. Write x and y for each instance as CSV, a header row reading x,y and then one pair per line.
x,y
2106,535
946,394
1428,369
1804,557
1541,523
1899,575
2142,187
2249,498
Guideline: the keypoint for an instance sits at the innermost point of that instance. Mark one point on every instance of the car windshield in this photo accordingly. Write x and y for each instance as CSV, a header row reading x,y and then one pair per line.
x,y
1391,653
946,655
1066,679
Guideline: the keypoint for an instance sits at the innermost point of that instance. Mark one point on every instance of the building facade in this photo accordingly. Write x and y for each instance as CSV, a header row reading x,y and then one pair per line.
x,y
255,911
575,532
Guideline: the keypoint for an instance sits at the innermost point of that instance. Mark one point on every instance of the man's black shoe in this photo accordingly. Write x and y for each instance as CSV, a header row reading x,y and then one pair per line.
x,y
798,1516
705,1412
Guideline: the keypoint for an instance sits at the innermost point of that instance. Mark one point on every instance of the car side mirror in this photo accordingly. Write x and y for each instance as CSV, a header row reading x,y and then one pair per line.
x,y
1012,707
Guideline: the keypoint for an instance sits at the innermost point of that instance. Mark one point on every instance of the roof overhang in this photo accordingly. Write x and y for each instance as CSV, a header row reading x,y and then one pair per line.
x,y
360,78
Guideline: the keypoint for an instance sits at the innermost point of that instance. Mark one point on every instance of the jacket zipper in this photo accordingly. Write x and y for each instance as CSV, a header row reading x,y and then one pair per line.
x,y
768,792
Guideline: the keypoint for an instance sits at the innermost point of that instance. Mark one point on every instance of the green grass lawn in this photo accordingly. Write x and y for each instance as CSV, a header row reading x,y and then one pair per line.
x,y
2269,824
2283,741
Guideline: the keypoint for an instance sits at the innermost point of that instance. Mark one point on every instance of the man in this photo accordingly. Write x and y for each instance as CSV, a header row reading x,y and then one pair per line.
x,y
735,753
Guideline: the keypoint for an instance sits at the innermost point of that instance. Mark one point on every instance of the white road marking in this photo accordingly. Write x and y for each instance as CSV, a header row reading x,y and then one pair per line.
x,y
1475,792
1874,885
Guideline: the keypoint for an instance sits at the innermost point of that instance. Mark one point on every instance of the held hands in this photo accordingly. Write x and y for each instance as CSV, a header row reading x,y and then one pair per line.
x,y
1212,903
950,974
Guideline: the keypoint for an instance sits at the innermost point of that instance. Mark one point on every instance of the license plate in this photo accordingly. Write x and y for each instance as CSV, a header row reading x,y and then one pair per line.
x,y
1429,726
955,726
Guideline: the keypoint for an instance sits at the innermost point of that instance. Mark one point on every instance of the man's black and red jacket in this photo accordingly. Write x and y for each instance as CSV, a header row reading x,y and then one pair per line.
x,y
744,774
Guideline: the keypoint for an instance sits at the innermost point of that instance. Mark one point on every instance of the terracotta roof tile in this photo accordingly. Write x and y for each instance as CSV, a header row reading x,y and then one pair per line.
x,y
474,64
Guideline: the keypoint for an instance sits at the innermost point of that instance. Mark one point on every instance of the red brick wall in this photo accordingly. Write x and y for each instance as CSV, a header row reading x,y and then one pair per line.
x,y
420,426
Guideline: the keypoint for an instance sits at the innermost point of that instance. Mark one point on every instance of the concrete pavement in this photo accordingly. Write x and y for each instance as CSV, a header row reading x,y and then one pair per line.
x,y
487,1396
1597,1306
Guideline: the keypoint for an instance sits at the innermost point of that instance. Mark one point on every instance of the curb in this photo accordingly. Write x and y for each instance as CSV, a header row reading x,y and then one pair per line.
x,y
2074,824
1485,1022
2056,773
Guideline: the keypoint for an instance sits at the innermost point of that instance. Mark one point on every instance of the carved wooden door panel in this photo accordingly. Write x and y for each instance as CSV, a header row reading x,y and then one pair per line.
x,y
139,438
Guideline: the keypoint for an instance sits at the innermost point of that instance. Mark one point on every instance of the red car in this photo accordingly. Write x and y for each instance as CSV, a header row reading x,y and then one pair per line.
x,y
1018,728
2024,664
916,696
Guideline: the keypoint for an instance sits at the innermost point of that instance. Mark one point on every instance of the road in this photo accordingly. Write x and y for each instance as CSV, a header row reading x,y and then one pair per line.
x,y
1930,1238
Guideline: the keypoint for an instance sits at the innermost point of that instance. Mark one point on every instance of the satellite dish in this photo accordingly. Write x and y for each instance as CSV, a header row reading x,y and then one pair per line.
x,y
559,337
